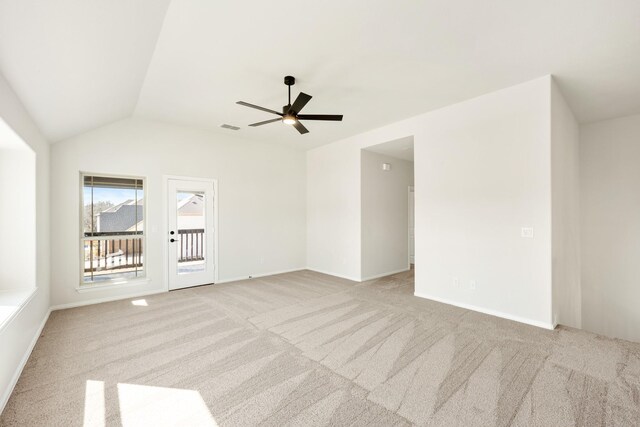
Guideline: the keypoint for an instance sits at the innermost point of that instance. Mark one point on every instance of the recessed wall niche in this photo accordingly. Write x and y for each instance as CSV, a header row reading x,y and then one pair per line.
x,y
17,212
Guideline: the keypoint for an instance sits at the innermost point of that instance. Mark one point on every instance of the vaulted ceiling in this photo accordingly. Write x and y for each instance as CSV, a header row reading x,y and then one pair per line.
x,y
81,64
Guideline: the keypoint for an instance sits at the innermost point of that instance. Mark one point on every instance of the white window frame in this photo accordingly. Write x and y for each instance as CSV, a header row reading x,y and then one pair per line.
x,y
142,276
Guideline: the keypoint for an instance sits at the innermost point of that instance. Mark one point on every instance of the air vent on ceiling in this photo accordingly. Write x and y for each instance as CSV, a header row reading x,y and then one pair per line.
x,y
226,126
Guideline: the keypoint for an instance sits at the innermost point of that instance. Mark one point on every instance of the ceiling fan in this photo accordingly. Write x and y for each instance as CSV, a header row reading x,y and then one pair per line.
x,y
290,112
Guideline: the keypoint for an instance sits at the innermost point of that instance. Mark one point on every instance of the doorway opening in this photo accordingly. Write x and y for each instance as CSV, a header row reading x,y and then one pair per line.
x,y
387,182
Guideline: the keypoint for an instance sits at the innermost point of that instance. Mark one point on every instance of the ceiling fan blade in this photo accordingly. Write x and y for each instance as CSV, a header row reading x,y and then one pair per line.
x,y
246,104
300,127
330,117
266,122
300,102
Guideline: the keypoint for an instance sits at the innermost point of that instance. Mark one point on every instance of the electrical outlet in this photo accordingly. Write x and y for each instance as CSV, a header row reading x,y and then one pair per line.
x,y
456,283
526,232
472,285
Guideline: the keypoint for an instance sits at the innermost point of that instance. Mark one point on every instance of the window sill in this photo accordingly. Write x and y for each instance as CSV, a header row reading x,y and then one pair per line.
x,y
113,285
11,302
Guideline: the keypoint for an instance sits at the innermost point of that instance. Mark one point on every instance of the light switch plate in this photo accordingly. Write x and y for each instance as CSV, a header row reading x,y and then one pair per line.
x,y
527,232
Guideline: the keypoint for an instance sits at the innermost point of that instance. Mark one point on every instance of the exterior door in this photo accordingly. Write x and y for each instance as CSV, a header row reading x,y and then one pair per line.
x,y
191,231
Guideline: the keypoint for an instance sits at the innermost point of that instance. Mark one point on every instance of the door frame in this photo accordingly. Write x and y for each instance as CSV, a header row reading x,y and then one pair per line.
x,y
411,190
165,223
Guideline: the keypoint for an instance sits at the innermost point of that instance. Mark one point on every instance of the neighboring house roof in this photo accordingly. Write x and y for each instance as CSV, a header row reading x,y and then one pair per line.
x,y
193,205
122,217
191,213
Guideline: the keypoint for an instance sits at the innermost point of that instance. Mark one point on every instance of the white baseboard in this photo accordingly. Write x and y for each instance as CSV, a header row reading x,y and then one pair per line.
x,y
496,313
157,291
388,273
354,279
105,299
23,362
273,273
359,279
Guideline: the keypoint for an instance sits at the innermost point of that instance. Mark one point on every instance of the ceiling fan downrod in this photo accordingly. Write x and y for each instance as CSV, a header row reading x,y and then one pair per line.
x,y
289,81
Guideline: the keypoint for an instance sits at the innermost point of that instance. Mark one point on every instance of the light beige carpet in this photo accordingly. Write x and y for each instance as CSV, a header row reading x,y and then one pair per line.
x,y
309,349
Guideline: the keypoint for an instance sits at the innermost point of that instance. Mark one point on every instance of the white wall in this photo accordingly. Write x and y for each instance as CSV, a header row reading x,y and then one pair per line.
x,y
610,223
565,212
482,171
17,337
333,210
385,214
261,199
17,214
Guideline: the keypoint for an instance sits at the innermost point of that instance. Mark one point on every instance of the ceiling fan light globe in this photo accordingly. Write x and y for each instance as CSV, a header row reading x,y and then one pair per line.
x,y
289,120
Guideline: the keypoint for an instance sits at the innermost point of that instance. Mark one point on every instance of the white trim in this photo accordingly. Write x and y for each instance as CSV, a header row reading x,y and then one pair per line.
x,y
256,276
216,204
389,273
5,322
23,362
361,279
105,299
495,313
353,279
114,284
188,178
165,232
411,190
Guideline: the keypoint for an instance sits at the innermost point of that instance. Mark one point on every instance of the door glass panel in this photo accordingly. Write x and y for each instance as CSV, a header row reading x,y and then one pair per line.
x,y
191,250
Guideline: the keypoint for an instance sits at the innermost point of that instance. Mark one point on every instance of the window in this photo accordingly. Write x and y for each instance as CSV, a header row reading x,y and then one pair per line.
x,y
112,243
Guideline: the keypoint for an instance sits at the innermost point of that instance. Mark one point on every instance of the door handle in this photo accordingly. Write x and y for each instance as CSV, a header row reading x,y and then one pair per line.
x,y
173,240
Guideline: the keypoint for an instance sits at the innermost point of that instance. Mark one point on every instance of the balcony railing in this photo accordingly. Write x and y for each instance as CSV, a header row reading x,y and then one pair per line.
x,y
109,255
104,257
192,245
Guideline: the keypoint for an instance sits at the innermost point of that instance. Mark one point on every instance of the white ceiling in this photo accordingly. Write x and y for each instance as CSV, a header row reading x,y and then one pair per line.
x,y
400,148
79,64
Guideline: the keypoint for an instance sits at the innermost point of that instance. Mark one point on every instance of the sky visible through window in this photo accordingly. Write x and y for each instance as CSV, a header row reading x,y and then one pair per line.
x,y
113,195
182,196
117,195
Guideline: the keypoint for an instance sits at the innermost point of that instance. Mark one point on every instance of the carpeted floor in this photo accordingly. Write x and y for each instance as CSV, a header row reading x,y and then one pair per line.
x,y
309,349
